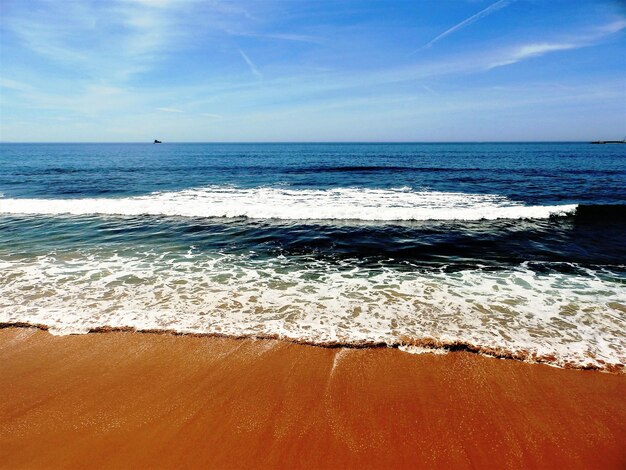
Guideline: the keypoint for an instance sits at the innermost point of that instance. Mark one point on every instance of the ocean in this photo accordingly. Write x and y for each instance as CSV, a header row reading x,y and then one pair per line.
x,y
509,249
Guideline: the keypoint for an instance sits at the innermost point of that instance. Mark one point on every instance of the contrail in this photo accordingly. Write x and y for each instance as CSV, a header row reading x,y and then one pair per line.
x,y
253,68
481,14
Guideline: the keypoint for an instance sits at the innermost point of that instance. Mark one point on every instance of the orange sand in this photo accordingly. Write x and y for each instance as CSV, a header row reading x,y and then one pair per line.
x,y
156,400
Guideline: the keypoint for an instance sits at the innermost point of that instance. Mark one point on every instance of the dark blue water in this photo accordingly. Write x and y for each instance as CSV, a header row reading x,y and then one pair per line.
x,y
537,173
521,247
593,176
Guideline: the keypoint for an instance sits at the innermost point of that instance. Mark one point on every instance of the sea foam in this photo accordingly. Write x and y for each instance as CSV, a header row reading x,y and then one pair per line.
x,y
296,204
566,319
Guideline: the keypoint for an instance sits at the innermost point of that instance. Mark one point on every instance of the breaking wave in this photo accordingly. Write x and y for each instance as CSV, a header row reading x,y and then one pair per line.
x,y
574,320
401,204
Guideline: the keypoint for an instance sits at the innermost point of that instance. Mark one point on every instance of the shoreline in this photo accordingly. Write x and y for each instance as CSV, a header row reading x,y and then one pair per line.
x,y
426,343
130,399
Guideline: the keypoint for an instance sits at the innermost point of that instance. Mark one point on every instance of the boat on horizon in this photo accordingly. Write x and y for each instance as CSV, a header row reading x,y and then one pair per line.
x,y
609,141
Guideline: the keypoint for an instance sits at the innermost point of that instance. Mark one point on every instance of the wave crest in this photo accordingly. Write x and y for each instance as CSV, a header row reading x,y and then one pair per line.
x,y
401,204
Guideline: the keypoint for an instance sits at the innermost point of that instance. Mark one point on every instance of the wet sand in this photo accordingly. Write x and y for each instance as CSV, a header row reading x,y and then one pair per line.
x,y
120,400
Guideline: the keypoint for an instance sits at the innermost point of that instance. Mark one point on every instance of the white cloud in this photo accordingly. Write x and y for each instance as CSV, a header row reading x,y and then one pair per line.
x,y
171,110
278,36
154,3
538,49
528,51
14,85
613,27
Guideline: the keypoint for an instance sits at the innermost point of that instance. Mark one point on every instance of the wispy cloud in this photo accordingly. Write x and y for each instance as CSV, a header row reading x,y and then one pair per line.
x,y
291,37
278,36
14,85
153,3
104,66
170,110
112,41
613,27
528,51
253,68
466,22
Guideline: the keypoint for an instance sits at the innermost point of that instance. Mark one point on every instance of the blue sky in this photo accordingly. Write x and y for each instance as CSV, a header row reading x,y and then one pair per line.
x,y
269,70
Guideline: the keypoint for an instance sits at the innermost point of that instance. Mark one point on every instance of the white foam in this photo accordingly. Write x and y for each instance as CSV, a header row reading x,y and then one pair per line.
x,y
420,350
577,318
290,204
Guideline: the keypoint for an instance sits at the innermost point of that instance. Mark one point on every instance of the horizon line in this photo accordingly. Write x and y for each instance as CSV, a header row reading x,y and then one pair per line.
x,y
146,142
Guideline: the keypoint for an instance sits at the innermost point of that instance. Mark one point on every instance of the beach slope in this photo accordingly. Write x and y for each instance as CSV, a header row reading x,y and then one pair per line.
x,y
123,399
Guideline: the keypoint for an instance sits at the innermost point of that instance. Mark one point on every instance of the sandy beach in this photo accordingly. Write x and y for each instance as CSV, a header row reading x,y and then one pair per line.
x,y
123,399
312,234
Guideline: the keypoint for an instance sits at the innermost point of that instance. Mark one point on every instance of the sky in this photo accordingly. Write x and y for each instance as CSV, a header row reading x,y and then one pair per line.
x,y
312,70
